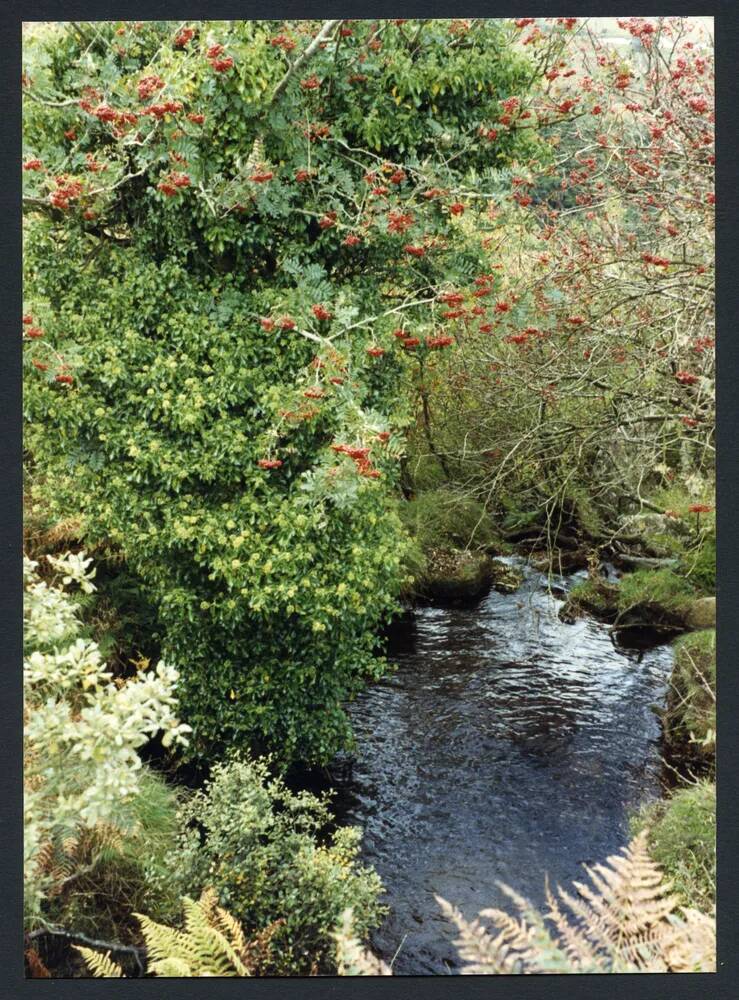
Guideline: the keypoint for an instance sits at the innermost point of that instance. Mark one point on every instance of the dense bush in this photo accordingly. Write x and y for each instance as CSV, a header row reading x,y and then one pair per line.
x,y
261,847
218,252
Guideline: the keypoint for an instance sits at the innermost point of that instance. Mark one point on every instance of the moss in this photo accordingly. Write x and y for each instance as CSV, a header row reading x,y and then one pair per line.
x,y
456,576
699,566
655,588
593,596
682,839
690,716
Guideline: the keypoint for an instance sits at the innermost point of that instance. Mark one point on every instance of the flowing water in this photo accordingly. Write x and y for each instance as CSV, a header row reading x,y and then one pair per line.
x,y
507,746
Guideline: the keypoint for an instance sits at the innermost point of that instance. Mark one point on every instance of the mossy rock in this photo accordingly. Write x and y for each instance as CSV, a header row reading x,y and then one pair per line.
x,y
702,613
506,579
454,576
682,840
689,719
560,561
594,596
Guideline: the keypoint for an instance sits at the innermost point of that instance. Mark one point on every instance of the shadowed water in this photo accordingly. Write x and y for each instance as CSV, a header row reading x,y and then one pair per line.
x,y
508,745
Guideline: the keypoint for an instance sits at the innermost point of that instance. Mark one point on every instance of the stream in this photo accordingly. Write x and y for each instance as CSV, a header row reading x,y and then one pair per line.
x,y
506,746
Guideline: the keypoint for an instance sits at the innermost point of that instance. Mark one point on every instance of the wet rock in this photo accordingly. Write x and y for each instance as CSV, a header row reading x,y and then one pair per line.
x,y
560,562
506,579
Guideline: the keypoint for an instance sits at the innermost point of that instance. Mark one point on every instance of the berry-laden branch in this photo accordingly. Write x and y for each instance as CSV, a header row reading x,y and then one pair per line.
x,y
322,35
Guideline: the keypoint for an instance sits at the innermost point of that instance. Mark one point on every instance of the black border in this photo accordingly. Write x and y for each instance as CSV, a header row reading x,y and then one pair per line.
x,y
725,982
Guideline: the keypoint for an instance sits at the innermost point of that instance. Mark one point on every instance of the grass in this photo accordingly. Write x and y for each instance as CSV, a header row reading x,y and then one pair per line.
x,y
682,839
655,587
441,518
690,717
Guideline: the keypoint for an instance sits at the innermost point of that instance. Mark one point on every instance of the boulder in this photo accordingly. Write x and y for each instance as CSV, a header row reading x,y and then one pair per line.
x,y
454,576
701,613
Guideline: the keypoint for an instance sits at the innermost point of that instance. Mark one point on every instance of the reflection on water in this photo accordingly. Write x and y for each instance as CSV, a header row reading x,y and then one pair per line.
x,y
507,745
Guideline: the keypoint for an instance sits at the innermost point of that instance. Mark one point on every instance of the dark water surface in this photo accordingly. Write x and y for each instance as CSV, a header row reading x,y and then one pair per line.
x,y
507,745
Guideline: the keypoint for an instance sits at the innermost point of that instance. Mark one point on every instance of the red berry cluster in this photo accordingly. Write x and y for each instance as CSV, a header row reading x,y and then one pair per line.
x,y
65,192
183,37
220,64
435,343
398,222
173,183
149,85
360,457
283,42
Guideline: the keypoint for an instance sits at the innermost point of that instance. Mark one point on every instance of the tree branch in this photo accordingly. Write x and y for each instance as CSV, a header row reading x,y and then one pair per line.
x,y
138,954
304,56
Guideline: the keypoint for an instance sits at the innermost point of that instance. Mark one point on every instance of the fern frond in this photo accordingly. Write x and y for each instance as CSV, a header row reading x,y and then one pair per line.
x,y
101,966
162,942
352,958
172,968
625,920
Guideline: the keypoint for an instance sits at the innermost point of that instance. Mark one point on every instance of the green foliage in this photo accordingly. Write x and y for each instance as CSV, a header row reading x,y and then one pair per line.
x,y
699,565
444,519
663,588
98,827
682,839
132,875
267,584
264,852
690,716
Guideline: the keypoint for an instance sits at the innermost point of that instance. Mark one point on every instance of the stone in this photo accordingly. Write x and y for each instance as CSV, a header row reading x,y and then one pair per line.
x,y
701,613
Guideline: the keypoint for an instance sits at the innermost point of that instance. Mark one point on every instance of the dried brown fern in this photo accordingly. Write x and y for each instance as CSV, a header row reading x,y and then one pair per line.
x,y
36,967
353,959
626,920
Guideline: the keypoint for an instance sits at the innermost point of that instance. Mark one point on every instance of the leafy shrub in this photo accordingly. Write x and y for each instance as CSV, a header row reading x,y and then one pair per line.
x,y
260,847
89,805
682,839
185,394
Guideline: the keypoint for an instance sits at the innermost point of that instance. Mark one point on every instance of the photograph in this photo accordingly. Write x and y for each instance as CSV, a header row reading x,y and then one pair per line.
x,y
369,497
